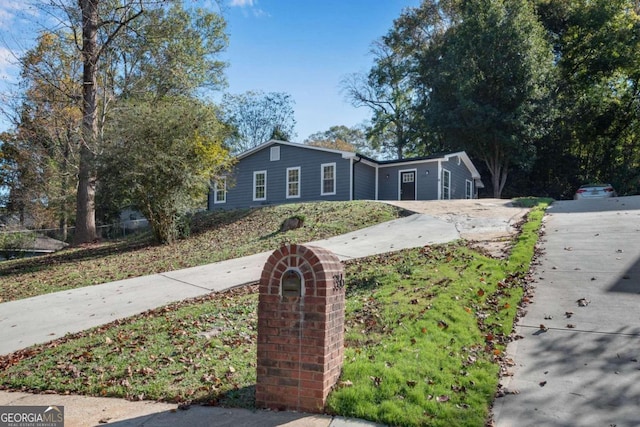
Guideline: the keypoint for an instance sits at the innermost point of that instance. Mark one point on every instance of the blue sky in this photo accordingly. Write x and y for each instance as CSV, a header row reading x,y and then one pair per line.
x,y
301,47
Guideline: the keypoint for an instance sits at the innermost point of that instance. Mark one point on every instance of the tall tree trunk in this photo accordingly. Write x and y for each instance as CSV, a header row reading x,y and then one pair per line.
x,y
63,215
498,181
399,140
498,168
85,210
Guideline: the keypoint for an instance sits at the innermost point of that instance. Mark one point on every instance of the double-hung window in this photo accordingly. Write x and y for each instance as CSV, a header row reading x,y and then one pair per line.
x,y
293,183
468,189
220,190
328,179
260,185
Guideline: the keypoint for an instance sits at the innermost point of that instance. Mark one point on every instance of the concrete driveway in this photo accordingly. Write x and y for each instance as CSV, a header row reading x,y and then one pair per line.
x,y
578,363
45,317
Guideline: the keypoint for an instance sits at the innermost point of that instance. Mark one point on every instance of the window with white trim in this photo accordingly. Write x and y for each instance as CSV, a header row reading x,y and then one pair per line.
x,y
446,184
468,189
259,185
293,182
328,179
220,190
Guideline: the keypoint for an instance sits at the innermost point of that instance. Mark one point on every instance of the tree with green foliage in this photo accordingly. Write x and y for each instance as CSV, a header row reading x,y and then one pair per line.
x,y
342,138
168,51
489,78
257,117
44,145
166,152
596,138
125,48
388,92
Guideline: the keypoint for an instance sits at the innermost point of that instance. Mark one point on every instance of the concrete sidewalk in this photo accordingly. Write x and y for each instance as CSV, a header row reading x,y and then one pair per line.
x,y
83,411
578,363
43,318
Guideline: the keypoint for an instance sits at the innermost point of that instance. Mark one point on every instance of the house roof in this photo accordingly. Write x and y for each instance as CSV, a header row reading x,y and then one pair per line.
x,y
462,155
345,154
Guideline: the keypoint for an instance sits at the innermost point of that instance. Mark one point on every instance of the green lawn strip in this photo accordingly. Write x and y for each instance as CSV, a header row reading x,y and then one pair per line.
x,y
216,236
434,360
202,350
415,353
425,334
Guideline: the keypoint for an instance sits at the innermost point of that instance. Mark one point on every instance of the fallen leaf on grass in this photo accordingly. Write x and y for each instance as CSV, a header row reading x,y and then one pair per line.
x,y
346,383
443,398
442,324
458,389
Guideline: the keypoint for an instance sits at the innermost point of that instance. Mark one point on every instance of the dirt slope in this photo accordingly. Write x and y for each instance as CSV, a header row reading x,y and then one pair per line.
x,y
489,223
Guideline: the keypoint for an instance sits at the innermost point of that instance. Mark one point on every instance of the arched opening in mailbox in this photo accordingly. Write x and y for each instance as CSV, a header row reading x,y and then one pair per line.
x,y
291,284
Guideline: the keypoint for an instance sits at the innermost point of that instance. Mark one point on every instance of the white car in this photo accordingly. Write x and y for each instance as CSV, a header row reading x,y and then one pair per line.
x,y
594,191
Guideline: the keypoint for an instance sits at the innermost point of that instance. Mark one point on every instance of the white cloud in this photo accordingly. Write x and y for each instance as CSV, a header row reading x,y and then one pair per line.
x,y
5,55
8,67
12,11
250,7
241,3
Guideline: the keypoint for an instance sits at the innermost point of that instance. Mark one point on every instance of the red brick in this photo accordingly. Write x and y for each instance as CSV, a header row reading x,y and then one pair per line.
x,y
304,336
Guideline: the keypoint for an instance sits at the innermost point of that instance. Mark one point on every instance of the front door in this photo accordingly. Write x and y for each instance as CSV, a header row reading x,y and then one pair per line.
x,y
408,185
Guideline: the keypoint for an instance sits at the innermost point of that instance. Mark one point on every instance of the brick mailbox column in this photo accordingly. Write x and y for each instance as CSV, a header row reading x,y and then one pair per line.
x,y
300,328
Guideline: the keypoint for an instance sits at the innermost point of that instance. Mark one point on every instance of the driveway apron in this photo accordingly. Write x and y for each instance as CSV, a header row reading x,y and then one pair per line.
x,y
578,363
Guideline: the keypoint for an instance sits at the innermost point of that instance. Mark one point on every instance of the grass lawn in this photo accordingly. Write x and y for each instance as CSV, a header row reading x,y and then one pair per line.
x,y
425,335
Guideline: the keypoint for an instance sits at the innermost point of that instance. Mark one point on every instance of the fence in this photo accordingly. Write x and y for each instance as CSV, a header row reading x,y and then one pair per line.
x,y
110,231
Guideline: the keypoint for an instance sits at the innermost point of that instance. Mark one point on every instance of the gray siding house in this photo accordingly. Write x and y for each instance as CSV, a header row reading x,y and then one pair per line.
x,y
279,172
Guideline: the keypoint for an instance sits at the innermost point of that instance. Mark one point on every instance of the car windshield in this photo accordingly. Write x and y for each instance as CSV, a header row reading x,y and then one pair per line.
x,y
595,186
